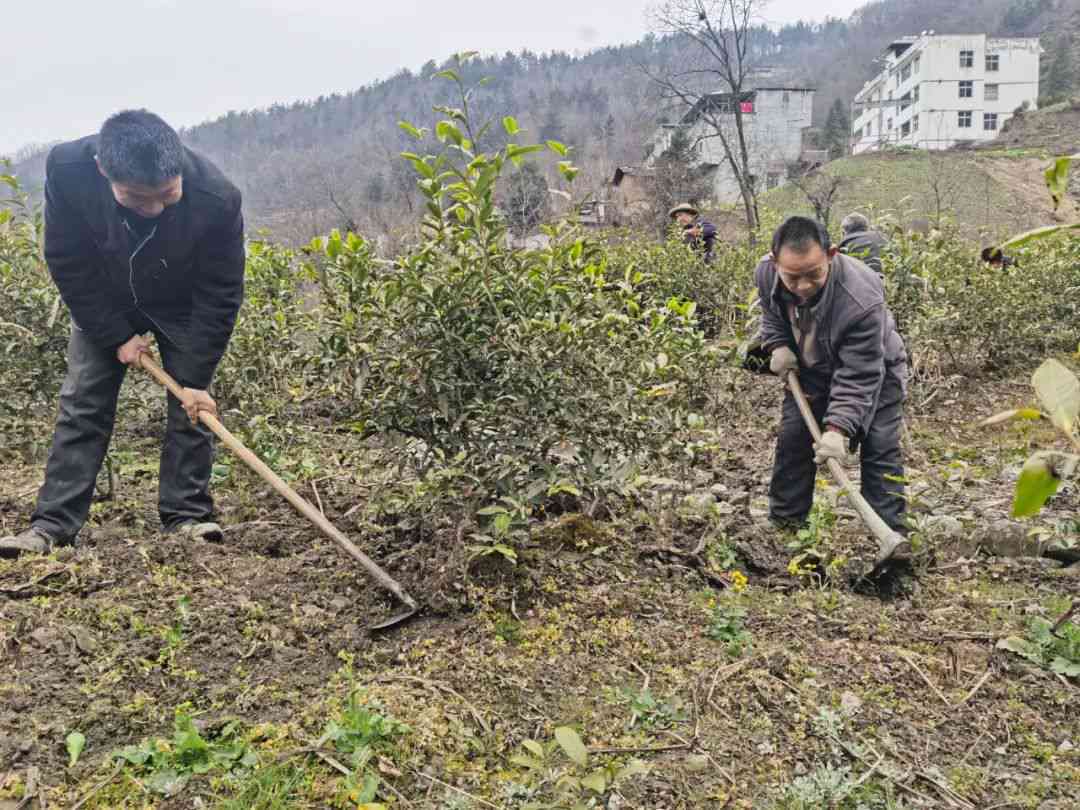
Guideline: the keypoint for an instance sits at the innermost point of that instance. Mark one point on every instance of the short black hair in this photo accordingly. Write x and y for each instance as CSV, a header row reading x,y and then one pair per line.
x,y
136,146
799,233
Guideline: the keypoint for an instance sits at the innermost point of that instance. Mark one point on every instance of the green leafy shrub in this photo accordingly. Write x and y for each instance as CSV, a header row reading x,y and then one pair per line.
x,y
1058,652
34,326
958,315
728,626
520,365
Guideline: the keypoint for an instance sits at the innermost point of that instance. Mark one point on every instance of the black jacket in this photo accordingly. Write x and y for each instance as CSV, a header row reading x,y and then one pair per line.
x,y
855,331
865,246
186,277
706,242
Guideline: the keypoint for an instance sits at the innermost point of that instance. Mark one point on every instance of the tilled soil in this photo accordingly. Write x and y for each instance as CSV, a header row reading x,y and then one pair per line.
x,y
114,636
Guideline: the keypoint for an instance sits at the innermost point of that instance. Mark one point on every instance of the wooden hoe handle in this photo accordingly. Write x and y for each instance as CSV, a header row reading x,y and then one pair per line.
x,y
303,506
888,539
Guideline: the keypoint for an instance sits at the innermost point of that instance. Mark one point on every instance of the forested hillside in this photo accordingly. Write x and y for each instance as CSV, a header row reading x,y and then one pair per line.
x,y
311,165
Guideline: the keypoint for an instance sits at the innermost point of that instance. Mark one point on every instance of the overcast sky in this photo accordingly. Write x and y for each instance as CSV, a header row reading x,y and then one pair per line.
x,y
67,64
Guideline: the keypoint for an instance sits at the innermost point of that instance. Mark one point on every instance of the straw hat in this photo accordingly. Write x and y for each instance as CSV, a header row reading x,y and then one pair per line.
x,y
683,208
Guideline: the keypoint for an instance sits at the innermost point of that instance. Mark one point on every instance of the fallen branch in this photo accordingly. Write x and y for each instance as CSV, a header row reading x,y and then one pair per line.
x,y
976,687
99,786
926,680
435,685
35,582
647,749
1068,614
869,772
723,673
466,794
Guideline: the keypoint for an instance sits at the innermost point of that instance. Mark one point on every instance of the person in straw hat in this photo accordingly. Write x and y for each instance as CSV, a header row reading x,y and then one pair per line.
x,y
700,234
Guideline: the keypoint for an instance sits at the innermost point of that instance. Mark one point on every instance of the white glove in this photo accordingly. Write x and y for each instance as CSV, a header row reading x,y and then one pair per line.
x,y
783,361
832,445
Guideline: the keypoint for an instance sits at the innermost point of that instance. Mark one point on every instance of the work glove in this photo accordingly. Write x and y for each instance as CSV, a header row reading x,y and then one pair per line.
x,y
783,361
832,445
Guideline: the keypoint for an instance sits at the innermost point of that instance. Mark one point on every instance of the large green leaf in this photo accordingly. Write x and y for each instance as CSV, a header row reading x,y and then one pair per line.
x,y
75,744
596,781
1064,666
1029,414
571,743
1021,647
410,129
1059,391
1039,479
1038,233
1057,178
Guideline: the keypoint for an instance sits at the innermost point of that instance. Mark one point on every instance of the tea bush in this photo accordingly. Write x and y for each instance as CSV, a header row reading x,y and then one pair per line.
x,y
33,327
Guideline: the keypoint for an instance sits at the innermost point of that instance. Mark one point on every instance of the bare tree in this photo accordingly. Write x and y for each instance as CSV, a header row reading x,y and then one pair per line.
x,y
942,183
820,189
720,58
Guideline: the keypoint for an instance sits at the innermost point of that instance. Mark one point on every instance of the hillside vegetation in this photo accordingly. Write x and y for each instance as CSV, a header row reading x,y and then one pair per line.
x,y
311,165
990,194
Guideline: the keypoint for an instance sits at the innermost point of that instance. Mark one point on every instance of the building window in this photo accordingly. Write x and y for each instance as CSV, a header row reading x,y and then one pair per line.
x,y
905,129
992,61
990,92
963,119
786,99
890,125
990,121
967,89
915,64
905,72
870,129
915,123
772,180
915,94
905,101
967,59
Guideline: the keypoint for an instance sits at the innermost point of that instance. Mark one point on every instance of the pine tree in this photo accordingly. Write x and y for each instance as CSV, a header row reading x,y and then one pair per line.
x,y
837,126
1059,80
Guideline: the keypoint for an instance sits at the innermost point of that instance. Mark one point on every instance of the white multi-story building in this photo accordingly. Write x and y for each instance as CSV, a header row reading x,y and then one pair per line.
x,y
774,120
935,91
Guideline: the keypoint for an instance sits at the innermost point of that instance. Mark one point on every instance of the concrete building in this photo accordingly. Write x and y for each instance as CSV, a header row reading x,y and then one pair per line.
x,y
774,119
934,92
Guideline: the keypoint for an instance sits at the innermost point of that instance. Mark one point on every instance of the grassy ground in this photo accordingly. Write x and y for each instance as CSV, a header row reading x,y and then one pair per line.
x,y
993,193
240,675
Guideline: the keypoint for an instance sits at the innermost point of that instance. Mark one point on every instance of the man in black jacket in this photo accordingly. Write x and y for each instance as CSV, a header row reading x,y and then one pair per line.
x,y
142,236
824,318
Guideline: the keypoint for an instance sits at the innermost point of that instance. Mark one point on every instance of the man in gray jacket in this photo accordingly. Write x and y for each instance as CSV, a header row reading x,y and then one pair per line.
x,y
824,318
861,241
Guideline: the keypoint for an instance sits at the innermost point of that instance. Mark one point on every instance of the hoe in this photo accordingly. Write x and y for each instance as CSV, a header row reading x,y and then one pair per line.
x,y
893,547
301,505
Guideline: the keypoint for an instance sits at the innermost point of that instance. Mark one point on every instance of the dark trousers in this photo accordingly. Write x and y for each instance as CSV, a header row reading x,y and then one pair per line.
x,y
791,491
83,429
